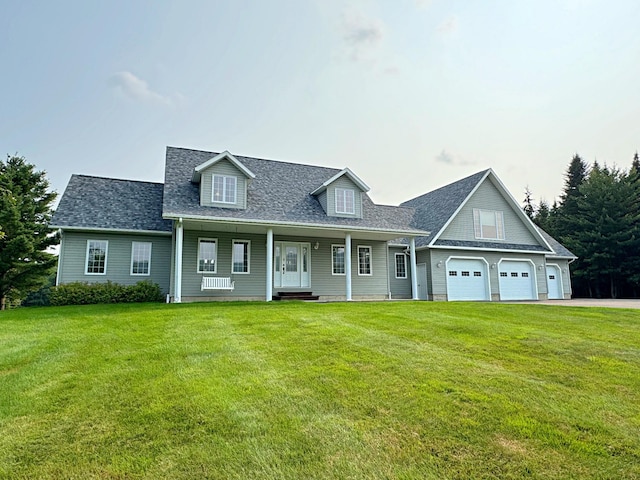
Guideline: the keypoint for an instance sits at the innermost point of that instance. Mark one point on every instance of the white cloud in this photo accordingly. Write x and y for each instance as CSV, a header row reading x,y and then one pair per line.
x,y
362,35
137,89
449,158
448,26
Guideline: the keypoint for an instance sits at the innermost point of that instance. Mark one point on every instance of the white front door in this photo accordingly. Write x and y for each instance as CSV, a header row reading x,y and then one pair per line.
x,y
554,282
421,271
291,264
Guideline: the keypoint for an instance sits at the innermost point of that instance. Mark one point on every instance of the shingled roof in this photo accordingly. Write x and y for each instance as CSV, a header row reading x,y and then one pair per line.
x,y
561,250
111,204
279,193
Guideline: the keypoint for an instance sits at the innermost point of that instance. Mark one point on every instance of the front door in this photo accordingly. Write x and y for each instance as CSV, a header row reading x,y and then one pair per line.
x,y
421,271
291,264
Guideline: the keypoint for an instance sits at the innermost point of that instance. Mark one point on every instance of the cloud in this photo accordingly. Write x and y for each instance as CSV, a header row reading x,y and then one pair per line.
x,y
362,35
452,159
137,89
448,26
423,3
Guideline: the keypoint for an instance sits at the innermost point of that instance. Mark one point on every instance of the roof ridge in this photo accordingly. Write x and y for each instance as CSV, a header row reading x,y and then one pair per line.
x,y
115,179
426,194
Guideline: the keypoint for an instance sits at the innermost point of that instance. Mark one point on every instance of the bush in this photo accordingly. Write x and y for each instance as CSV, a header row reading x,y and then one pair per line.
x,y
82,293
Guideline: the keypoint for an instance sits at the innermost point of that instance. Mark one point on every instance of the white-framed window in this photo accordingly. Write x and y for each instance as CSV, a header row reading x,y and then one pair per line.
x,y
140,258
401,265
488,224
96,259
345,200
207,255
241,256
337,260
364,260
224,189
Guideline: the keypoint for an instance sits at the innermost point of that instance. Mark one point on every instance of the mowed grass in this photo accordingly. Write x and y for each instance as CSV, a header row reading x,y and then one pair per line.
x,y
326,391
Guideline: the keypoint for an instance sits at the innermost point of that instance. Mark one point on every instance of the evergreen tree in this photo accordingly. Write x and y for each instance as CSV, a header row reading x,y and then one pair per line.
x,y
529,208
25,211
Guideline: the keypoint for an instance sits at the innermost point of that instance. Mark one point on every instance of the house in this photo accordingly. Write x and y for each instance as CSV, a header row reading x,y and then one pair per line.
x,y
224,227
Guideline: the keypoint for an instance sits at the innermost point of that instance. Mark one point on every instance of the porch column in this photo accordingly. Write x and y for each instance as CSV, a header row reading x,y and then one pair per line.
x,y
347,264
177,297
414,274
269,265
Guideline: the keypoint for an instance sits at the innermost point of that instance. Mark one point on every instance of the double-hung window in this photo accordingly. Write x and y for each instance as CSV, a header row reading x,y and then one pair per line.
x,y
207,255
241,252
140,258
224,189
96,259
364,260
345,201
401,265
488,224
337,260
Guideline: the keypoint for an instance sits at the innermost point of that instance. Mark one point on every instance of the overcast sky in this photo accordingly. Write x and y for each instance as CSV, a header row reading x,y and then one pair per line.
x,y
409,94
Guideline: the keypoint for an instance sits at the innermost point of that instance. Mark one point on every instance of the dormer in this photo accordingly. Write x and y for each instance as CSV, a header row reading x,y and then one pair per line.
x,y
341,195
223,182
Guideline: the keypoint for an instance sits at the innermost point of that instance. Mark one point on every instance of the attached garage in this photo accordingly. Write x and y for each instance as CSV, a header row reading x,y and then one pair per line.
x,y
467,279
554,282
517,280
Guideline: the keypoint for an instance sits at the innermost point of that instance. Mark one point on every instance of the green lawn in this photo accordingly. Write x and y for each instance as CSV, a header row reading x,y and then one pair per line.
x,y
359,390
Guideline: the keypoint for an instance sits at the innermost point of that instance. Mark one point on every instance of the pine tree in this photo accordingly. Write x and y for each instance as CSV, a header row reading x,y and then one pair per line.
x,y
529,207
25,211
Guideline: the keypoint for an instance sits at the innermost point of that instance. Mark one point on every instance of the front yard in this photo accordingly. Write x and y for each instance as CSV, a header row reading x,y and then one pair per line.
x,y
359,390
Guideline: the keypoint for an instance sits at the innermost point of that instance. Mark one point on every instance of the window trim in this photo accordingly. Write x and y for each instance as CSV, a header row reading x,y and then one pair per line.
x,y
404,260
370,274
233,263
477,224
224,188
344,191
333,246
106,257
215,259
149,262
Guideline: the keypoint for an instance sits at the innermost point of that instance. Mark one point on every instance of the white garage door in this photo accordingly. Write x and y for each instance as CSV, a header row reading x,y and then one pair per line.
x,y
467,279
517,280
554,282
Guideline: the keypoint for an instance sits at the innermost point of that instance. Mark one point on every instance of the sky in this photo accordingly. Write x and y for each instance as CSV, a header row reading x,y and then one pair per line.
x,y
409,94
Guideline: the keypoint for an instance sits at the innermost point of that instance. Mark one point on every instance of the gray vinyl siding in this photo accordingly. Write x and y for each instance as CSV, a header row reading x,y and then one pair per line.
x,y
322,198
565,273
487,197
343,182
400,287
424,256
74,250
439,274
223,167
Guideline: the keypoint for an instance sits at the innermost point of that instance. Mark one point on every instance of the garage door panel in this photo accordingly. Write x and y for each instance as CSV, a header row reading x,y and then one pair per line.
x,y
517,280
467,279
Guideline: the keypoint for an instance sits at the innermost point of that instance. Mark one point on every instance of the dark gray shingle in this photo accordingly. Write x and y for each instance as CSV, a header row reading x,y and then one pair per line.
x,y
108,203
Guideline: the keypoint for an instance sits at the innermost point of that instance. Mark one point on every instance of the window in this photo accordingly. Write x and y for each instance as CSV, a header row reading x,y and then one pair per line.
x,y
477,274
207,255
514,274
552,277
524,274
453,273
488,224
140,258
241,251
401,265
337,259
96,261
364,260
465,274
503,274
224,189
345,201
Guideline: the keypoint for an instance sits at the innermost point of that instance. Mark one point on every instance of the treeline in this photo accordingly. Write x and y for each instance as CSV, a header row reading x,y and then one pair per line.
x,y
597,217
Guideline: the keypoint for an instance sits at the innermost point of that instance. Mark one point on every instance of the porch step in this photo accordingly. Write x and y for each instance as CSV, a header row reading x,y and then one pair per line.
x,y
295,296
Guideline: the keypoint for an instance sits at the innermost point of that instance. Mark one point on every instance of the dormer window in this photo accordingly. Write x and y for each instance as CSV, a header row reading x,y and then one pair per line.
x,y
345,201
224,189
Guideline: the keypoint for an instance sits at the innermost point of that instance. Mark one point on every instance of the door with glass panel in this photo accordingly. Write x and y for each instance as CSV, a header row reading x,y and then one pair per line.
x,y
291,264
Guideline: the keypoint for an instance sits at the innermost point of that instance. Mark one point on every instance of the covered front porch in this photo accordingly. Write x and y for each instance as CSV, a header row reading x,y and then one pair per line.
x,y
258,261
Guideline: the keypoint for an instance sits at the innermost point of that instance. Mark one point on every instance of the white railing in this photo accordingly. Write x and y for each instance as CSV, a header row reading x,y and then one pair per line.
x,y
217,283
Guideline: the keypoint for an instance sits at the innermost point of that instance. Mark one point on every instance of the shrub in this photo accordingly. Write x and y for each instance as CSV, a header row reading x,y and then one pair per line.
x,y
82,293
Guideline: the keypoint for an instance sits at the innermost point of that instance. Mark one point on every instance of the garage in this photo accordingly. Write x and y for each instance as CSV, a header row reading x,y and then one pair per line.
x,y
467,279
554,282
517,280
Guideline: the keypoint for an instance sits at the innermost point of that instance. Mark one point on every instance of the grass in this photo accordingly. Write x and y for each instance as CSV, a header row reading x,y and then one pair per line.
x,y
363,390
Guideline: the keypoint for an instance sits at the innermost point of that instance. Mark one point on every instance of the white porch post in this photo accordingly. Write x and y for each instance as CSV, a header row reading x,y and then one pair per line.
x,y
347,264
414,273
269,264
177,297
